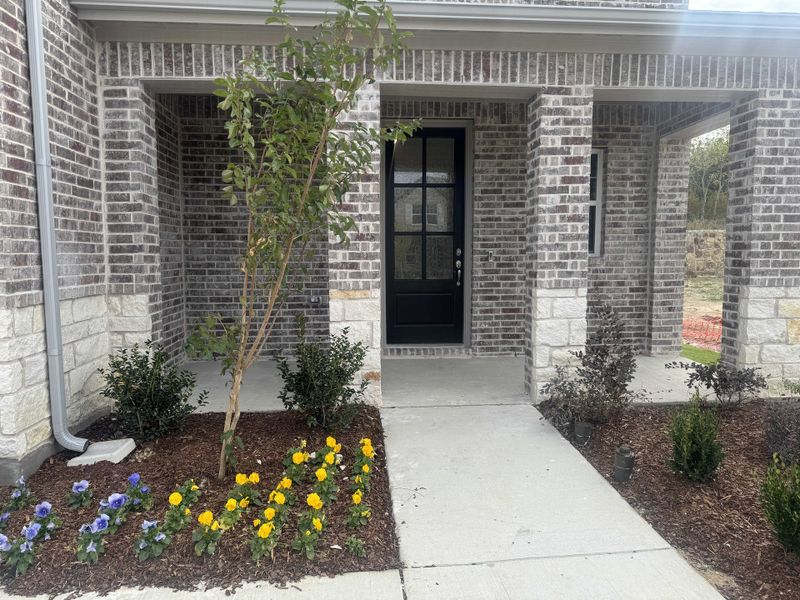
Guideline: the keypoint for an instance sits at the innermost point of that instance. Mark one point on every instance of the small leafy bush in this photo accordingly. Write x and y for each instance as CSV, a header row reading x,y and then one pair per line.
x,y
731,386
780,497
783,429
320,386
151,397
793,387
598,390
696,453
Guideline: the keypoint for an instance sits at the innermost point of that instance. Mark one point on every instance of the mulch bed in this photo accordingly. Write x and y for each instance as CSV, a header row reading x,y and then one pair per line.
x,y
194,454
718,526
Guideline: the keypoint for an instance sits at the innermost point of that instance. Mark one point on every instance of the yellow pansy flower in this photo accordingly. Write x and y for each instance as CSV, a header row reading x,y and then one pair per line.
x,y
303,443
231,505
253,478
337,448
195,488
205,518
241,479
298,458
215,526
285,483
187,512
366,513
244,502
317,523
321,474
368,451
365,468
365,442
256,522
314,501
330,442
357,479
175,499
280,498
330,458
265,530
269,513
357,497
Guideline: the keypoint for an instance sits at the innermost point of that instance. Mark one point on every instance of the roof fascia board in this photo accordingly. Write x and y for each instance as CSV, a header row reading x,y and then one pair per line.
x,y
461,16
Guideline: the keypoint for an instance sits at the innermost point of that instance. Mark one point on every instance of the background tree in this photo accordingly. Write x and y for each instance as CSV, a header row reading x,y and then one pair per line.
x,y
708,177
294,166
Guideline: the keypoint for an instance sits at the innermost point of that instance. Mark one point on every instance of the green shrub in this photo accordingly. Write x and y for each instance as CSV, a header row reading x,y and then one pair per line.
x,y
731,385
151,397
780,497
793,387
321,385
696,453
598,389
782,424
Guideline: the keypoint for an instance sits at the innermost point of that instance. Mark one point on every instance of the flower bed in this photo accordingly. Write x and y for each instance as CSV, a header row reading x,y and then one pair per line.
x,y
719,526
152,538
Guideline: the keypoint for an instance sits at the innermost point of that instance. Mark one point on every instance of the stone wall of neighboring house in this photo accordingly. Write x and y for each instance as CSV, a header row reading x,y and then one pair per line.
x,y
498,216
74,130
705,252
212,234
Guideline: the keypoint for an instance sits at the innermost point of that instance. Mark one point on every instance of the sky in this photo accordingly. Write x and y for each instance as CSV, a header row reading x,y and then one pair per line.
x,y
747,5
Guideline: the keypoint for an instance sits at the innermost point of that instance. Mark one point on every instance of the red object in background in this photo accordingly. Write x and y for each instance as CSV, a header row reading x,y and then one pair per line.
x,y
705,332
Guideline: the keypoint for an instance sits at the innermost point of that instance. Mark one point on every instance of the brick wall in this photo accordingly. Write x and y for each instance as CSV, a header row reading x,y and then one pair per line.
x,y
214,232
75,148
498,210
171,242
619,275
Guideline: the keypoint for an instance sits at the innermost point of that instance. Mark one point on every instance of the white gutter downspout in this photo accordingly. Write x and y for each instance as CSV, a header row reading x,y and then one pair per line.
x,y
47,237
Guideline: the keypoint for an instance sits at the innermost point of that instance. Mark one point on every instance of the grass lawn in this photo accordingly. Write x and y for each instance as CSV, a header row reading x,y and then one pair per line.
x,y
700,355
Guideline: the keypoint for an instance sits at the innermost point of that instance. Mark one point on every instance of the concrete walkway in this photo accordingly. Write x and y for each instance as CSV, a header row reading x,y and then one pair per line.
x,y
492,503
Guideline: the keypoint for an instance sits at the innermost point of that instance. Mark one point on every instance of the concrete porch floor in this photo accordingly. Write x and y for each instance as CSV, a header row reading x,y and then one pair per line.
x,y
433,382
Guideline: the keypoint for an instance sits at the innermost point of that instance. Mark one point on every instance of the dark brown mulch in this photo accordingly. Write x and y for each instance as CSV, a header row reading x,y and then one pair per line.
x,y
194,454
719,526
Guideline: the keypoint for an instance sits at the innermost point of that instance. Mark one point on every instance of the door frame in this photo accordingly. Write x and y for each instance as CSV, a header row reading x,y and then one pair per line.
x,y
467,126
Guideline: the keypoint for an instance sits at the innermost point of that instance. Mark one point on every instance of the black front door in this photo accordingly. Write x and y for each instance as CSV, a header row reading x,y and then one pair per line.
x,y
425,259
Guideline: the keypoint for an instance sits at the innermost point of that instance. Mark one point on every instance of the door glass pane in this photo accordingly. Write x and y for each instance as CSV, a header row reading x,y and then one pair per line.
x,y
439,259
408,161
408,209
440,159
407,257
439,209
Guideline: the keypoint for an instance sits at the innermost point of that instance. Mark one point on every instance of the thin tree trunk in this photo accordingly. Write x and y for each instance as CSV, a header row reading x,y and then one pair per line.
x,y
231,417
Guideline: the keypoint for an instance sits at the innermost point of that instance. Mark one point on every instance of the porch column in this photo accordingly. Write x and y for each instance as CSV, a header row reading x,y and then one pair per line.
x,y
557,229
761,299
668,247
131,202
355,269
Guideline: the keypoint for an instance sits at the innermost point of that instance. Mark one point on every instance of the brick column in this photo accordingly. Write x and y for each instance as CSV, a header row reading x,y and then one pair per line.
x,y
355,269
668,247
131,202
557,229
761,301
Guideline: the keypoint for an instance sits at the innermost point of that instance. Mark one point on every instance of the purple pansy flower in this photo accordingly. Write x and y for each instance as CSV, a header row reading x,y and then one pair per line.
x,y
145,489
91,547
159,537
117,501
26,547
80,486
134,479
16,494
5,546
21,481
85,528
99,524
4,516
143,545
43,509
31,530
148,524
